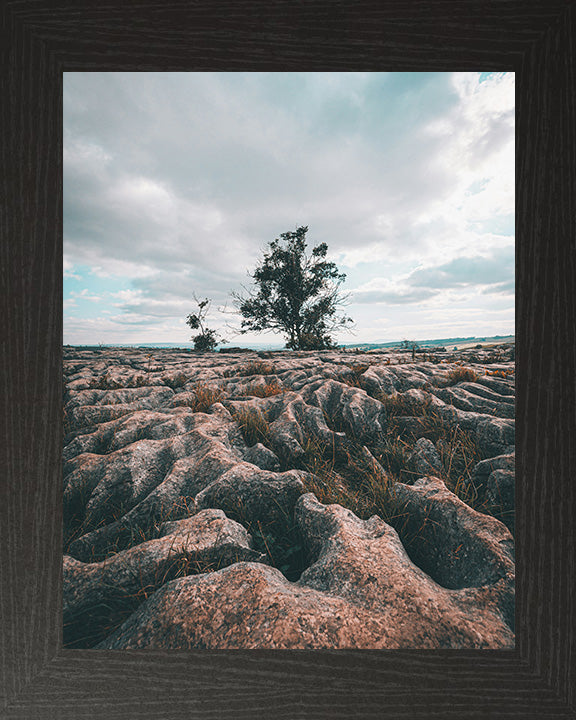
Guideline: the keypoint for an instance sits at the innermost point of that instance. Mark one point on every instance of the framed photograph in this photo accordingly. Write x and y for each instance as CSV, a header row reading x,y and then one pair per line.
x,y
160,122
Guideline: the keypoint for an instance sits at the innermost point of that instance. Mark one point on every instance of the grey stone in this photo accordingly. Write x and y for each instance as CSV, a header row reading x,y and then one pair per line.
x,y
424,458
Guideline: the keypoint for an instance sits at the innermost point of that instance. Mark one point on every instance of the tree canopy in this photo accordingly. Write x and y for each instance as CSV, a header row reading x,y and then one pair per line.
x,y
295,293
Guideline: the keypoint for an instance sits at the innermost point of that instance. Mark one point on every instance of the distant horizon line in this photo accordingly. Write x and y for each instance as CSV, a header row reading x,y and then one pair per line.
x,y
279,346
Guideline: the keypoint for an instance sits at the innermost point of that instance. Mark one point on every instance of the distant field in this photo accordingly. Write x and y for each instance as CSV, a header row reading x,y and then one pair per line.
x,y
488,341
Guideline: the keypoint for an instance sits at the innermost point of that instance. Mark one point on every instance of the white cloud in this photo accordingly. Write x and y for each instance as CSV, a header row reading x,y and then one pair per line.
x,y
68,269
84,295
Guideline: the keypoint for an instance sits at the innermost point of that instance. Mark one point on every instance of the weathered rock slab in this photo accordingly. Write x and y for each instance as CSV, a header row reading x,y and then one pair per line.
x,y
187,476
362,591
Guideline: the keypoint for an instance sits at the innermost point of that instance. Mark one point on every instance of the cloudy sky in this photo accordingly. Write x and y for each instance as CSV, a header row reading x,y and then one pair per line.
x,y
174,184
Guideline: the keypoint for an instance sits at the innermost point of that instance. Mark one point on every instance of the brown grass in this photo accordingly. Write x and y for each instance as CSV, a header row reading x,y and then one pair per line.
x,y
354,480
264,391
205,396
460,374
399,404
252,424
177,380
500,373
254,367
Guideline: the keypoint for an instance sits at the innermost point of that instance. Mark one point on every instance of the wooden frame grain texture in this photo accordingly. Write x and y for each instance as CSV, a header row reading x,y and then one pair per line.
x,y
43,38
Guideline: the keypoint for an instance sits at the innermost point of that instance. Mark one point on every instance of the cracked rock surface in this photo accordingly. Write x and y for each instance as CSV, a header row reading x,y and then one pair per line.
x,y
288,500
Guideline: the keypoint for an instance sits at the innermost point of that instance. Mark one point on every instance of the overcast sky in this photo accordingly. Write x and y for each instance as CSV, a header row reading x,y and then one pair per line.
x,y
174,184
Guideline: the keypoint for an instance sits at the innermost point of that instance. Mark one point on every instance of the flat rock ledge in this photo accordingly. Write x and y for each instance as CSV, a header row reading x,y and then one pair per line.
x,y
288,500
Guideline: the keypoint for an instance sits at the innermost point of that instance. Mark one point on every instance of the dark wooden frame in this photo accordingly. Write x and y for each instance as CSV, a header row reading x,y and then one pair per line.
x,y
43,38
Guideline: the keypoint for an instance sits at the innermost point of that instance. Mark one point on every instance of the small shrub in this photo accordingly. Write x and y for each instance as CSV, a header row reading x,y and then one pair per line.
x,y
207,339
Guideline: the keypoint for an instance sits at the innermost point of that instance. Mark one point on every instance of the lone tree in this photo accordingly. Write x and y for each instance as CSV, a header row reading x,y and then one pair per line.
x,y
207,339
296,294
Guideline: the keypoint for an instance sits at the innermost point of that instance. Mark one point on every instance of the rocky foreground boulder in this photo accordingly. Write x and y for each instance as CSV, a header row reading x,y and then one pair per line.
x,y
288,500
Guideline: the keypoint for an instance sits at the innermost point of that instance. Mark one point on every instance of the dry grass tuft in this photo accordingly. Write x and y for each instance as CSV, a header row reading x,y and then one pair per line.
x,y
205,396
398,404
103,382
500,373
253,425
264,391
131,535
460,374
456,447
254,367
353,479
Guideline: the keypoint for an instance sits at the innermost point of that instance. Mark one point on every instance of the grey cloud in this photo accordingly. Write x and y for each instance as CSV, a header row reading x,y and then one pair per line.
x,y
225,140
154,310
466,271
391,297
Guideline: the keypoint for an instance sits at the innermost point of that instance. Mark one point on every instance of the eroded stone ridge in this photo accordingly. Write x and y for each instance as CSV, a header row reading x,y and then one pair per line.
x,y
288,500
